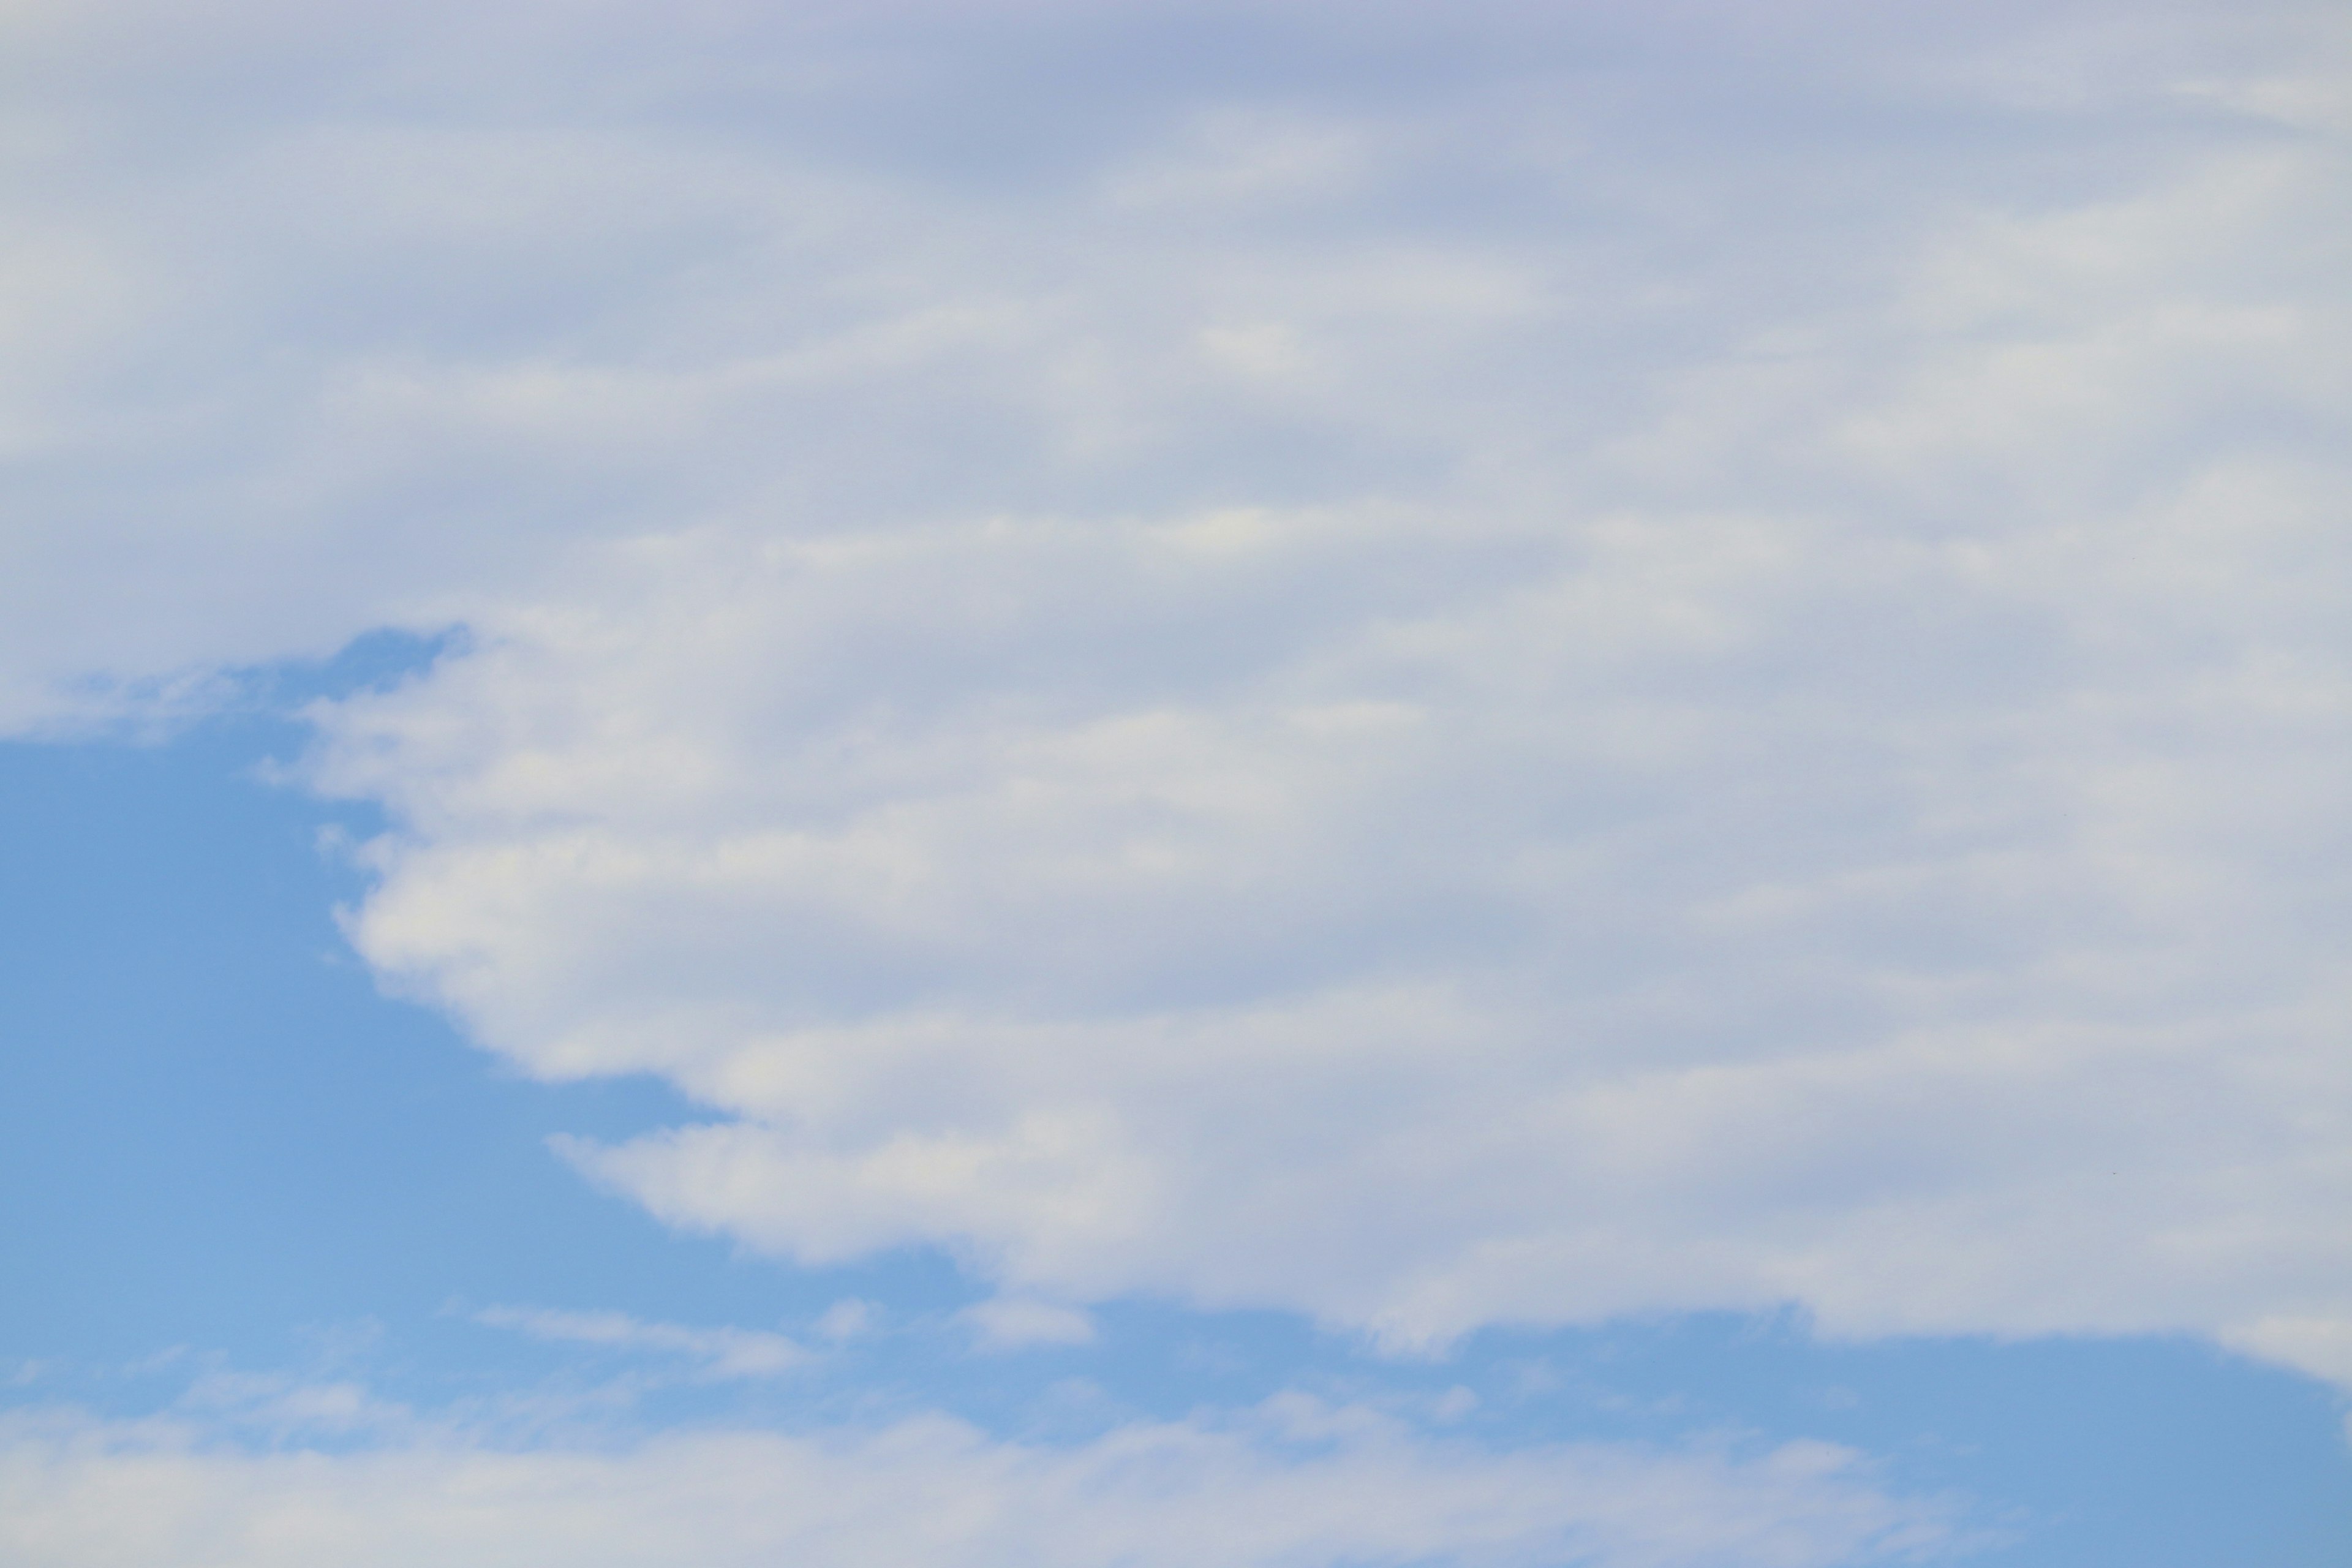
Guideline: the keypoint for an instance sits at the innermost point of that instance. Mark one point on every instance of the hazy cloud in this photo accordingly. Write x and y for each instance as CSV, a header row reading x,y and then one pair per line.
x,y
1008,1322
1295,1482
721,1353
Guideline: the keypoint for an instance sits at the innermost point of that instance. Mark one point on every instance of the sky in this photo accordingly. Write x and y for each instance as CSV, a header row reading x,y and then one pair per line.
x,y
1074,784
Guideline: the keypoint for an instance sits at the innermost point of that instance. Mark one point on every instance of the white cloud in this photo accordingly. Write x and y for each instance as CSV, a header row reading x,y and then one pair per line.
x,y
1709,919
1295,1483
1574,676
1866,842
723,1352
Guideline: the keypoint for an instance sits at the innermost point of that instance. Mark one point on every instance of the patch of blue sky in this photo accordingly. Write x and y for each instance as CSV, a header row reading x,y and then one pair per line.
x,y
223,1150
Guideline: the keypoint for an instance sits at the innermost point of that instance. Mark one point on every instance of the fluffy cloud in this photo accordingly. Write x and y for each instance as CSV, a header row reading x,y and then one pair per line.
x,y
1596,669
1734,911
1295,1483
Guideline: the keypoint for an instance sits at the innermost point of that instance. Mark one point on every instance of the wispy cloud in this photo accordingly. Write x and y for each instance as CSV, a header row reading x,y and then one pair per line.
x,y
1296,1482
720,1353
1006,1323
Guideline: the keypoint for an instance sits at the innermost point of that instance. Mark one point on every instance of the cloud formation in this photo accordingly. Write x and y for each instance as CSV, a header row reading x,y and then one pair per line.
x,y
1571,667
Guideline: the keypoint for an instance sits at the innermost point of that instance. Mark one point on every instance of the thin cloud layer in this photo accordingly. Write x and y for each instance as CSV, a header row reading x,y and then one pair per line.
x,y
1296,1483
717,1352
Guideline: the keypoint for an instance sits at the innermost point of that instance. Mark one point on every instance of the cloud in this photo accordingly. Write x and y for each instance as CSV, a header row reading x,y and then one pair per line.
x,y
1618,665
723,1352
1009,1323
847,1318
1862,838
1736,911
1295,1482
315,329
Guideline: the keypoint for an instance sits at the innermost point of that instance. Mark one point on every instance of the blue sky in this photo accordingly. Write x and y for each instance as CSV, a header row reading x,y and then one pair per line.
x,y
1086,783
